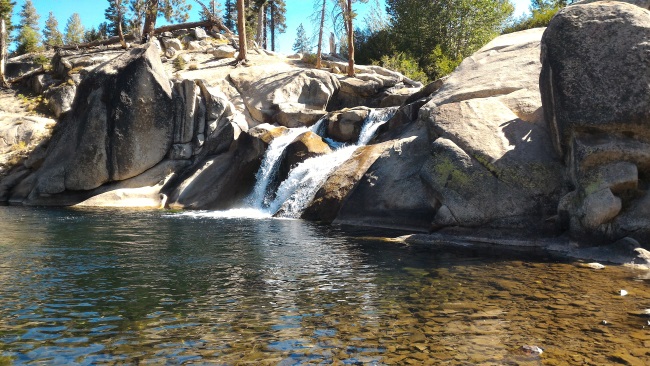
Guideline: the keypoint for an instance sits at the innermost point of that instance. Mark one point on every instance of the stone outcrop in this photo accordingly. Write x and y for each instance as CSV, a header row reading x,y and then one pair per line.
x,y
345,125
492,163
126,120
268,92
219,182
481,148
595,84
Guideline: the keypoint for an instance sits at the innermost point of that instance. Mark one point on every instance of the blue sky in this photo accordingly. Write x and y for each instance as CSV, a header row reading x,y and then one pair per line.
x,y
92,13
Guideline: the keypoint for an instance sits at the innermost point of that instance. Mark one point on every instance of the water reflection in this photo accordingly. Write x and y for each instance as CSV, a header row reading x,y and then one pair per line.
x,y
109,287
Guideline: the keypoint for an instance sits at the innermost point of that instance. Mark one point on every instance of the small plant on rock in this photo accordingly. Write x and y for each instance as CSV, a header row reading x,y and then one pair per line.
x,y
179,63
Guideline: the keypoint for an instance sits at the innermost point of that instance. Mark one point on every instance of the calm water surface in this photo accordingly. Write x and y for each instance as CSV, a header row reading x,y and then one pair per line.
x,y
111,287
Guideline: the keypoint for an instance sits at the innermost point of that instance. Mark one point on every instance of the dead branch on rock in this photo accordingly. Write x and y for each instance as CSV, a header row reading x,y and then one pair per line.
x,y
130,37
27,75
215,21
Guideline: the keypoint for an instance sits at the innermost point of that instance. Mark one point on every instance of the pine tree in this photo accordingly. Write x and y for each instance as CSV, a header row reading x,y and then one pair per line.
x,y
138,9
302,44
74,30
215,10
241,28
277,19
174,11
28,36
51,34
229,15
115,10
6,11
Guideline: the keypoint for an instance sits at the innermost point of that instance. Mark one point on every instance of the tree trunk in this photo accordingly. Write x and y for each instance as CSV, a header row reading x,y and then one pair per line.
x,y
149,29
3,52
272,5
350,41
241,27
118,5
319,53
266,34
260,26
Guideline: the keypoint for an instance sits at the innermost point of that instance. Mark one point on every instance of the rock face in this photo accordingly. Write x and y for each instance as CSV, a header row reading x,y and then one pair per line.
x,y
268,92
345,125
118,129
125,120
595,85
492,163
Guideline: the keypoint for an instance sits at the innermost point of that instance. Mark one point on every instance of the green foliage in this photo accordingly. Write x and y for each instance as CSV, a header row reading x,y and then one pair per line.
x,y
42,60
302,43
230,15
457,27
28,41
440,64
6,10
96,34
135,18
174,11
214,8
309,58
371,46
28,38
276,19
74,30
51,34
112,14
179,63
404,64
541,14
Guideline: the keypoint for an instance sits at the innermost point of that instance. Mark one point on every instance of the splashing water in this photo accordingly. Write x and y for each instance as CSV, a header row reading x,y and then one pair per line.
x,y
269,168
304,181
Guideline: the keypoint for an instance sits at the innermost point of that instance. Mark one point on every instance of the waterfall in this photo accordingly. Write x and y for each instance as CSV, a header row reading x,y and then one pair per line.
x,y
304,181
270,162
260,197
297,191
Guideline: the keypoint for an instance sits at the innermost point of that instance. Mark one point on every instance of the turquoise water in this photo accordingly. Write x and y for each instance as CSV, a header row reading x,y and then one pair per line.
x,y
139,287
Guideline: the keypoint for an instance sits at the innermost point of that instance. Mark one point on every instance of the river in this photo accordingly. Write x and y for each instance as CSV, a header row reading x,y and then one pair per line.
x,y
87,287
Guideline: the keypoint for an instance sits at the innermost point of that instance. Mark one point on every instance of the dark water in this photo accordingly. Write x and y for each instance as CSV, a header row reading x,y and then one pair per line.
x,y
110,287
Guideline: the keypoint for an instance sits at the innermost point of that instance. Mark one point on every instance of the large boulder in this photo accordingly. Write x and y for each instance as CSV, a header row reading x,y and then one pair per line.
x,y
346,125
219,182
595,86
384,184
119,127
588,86
306,145
492,163
266,90
330,197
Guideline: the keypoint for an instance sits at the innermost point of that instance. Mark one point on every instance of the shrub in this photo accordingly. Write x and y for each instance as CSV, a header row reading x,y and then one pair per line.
x,y
309,58
539,18
404,64
42,60
179,63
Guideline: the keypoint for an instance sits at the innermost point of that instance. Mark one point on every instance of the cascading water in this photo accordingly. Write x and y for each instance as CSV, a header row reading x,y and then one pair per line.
x,y
260,198
298,190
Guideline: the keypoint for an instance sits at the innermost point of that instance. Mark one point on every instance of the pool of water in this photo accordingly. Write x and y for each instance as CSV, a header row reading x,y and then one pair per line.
x,y
138,287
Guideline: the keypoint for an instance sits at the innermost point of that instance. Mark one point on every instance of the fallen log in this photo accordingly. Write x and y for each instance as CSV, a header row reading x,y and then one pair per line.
x,y
130,37
40,70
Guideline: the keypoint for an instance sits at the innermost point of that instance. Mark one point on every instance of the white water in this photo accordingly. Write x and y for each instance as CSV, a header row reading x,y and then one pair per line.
x,y
304,181
268,169
296,192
